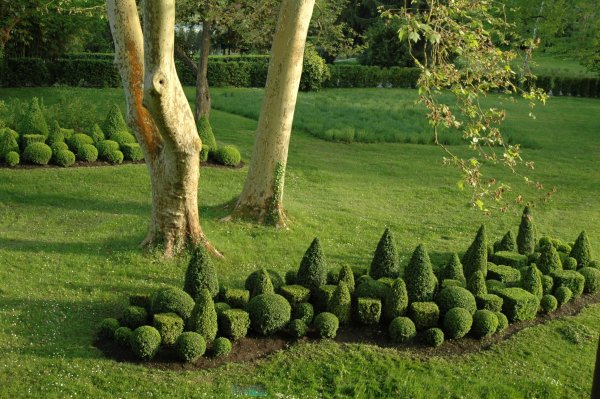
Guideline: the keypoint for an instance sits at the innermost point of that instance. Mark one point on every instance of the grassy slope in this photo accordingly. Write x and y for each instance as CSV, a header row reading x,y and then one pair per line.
x,y
68,251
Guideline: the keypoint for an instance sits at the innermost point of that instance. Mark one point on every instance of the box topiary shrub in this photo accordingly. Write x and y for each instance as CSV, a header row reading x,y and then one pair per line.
x,y
502,322
220,307
8,143
476,256
297,328
200,274
105,147
549,260
78,140
592,279
547,284
169,325
548,304
569,278
450,283
322,296
114,122
206,133
402,329
453,270
123,138
563,295
295,294
424,314
134,316
385,259
123,336
64,158
204,152
114,157
366,287
395,300
236,297
594,264
145,342
87,153
456,297
107,328
28,139
340,303
433,337
420,281
133,152
489,302
269,313
532,281
12,158
519,304
526,236
228,155
37,154
326,325
33,122
457,323
259,282
493,286
476,284
190,346
221,347
234,323
203,319
485,323
569,263
368,310
582,250
506,274
304,311
312,272
513,259
347,276
173,300
96,133
507,243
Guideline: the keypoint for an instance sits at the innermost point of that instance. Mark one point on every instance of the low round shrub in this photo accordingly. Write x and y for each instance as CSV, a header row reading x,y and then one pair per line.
x,y
59,146
485,323
173,300
87,153
123,336
326,325
78,140
433,337
254,280
228,156
402,329
220,307
457,323
304,311
64,158
107,328
297,328
132,152
456,297
221,347
106,146
570,263
190,346
122,137
114,157
269,313
37,154
135,316
594,264
548,303
502,321
12,158
563,295
8,142
592,279
145,342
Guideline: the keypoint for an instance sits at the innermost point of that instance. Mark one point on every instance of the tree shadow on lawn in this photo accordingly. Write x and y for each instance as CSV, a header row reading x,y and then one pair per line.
x,y
89,248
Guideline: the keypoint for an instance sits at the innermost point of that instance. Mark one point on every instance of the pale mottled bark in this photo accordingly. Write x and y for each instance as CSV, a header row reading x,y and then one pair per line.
x,y
203,101
161,118
262,196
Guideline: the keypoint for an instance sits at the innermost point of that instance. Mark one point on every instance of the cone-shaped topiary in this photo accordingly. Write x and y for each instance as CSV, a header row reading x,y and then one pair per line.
x,y
206,133
204,317
340,303
526,236
312,273
261,284
200,274
549,260
396,300
347,276
55,135
114,122
476,284
33,122
532,281
453,270
476,256
507,243
385,260
582,250
419,277
96,133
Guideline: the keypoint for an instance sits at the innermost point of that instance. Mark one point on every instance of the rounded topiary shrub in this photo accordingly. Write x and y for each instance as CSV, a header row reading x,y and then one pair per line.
x,y
457,323
304,311
107,328
269,313
456,297
145,342
433,337
190,346
221,347
255,279
106,146
563,295
502,321
204,153
326,325
87,153
8,142
123,138
135,316
114,157
78,140
59,146
173,300
592,279
64,158
402,329
297,328
547,284
133,152
548,303
485,323
228,156
569,263
12,158
37,154
123,336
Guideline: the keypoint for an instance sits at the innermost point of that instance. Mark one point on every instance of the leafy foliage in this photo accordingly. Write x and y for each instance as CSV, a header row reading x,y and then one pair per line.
x,y
402,329
326,325
485,323
206,133
37,154
453,270
190,346
269,313
114,122
312,273
145,342
173,300
526,235
203,319
385,260
420,280
201,274
475,259
457,323
340,303
582,250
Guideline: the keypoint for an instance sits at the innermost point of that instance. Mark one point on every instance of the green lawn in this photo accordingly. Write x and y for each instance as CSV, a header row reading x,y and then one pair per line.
x,y
69,256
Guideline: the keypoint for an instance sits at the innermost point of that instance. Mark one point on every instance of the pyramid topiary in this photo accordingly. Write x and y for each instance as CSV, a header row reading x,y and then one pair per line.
x,y
114,122
476,256
507,243
33,122
55,135
476,284
549,260
526,236
581,250
206,133
532,281
420,280
453,270
204,317
261,284
312,273
385,259
96,133
347,276
200,274
340,303
8,143
396,300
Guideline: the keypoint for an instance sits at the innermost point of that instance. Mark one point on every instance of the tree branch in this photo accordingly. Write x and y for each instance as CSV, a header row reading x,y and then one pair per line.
x,y
183,57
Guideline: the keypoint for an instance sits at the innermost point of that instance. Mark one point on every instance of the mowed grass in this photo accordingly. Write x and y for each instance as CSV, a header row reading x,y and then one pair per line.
x,y
69,257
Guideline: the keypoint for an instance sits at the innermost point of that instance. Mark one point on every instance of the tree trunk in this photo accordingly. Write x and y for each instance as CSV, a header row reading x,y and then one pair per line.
x,y
161,118
202,93
262,196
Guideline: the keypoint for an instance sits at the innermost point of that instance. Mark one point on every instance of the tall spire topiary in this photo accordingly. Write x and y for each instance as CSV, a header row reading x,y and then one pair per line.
x,y
96,133
33,122
532,281
476,284
340,303
420,280
385,259
312,273
114,122
526,236
55,135
453,270
396,300
582,251
204,317
206,133
201,274
261,284
476,256
347,276
549,260
507,243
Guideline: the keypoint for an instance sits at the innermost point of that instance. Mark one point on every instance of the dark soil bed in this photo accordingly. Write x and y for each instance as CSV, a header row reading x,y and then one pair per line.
x,y
98,164
253,348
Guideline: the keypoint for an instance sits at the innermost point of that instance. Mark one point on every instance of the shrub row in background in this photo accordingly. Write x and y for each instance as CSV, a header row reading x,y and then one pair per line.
x,y
469,297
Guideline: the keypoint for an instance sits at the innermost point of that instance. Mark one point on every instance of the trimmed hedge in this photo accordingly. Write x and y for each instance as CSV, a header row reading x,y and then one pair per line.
x,y
519,304
234,323
322,296
506,274
513,259
169,325
64,158
581,250
236,297
134,316
172,300
424,314
526,235
304,311
489,302
368,310
592,279
87,153
133,152
485,323
295,294
228,155
569,278
123,336
259,282
453,270
433,337
37,154
456,297
12,159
